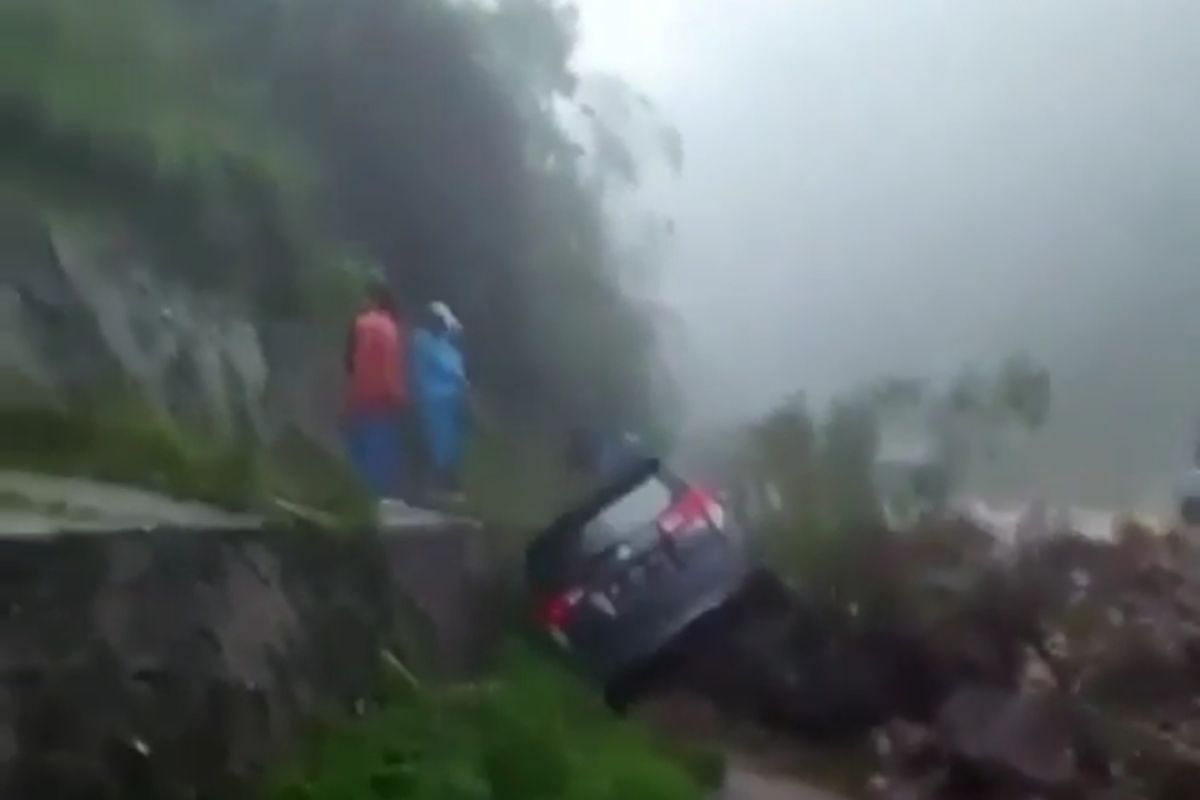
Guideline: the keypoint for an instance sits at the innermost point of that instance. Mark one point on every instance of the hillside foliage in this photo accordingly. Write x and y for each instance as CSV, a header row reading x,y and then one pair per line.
x,y
282,151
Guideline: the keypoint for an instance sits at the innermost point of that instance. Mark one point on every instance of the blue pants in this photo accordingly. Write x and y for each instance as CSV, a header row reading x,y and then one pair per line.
x,y
441,420
373,444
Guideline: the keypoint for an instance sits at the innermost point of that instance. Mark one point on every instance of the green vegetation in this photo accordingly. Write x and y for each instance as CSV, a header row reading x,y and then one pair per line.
x,y
515,481
116,110
530,732
824,468
821,471
275,151
296,469
275,154
116,435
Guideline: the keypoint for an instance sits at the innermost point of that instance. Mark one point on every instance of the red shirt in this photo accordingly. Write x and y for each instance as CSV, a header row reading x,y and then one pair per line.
x,y
377,361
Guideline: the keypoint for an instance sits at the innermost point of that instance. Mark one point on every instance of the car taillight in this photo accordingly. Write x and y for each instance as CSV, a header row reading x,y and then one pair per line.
x,y
691,513
555,611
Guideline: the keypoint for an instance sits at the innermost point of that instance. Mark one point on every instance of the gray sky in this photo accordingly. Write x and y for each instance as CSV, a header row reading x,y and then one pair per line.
x,y
902,186
879,185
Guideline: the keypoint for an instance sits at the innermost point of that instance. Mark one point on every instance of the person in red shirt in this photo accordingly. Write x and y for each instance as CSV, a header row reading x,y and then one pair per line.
x,y
376,393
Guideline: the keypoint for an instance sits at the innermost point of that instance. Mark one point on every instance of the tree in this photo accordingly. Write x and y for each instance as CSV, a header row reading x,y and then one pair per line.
x,y
268,143
970,418
826,470
849,443
1023,390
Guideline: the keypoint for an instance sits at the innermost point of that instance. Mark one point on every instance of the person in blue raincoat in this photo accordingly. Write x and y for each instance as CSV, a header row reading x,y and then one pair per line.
x,y
439,379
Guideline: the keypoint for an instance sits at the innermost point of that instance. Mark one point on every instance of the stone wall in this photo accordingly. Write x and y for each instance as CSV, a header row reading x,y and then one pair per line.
x,y
176,664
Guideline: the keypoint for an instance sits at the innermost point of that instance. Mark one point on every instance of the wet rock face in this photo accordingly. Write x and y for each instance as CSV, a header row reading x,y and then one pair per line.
x,y
78,308
177,664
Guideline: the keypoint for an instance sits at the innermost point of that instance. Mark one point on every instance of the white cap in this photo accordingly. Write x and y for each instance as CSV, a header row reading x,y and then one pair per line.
x,y
443,312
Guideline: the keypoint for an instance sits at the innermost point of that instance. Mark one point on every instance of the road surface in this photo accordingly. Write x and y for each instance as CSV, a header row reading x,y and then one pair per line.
x,y
745,782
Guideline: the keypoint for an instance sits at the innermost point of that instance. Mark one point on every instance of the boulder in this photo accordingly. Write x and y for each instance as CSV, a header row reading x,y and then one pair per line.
x,y
1024,739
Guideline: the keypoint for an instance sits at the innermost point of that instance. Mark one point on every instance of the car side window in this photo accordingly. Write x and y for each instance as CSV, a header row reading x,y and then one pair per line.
x,y
630,514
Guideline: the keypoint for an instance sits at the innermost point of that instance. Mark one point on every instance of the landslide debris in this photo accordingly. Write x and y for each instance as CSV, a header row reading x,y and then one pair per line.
x,y
1052,666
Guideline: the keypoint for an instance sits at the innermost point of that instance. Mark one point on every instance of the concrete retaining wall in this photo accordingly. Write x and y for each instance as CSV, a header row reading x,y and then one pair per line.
x,y
175,664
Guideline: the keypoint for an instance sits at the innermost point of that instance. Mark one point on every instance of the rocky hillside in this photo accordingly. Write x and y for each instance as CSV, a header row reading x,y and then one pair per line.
x,y
82,308
193,198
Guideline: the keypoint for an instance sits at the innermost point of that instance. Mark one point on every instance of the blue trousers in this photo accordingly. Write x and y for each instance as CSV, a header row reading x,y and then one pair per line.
x,y
373,444
441,420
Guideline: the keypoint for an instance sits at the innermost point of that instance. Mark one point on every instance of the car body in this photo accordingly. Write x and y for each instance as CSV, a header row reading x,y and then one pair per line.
x,y
621,575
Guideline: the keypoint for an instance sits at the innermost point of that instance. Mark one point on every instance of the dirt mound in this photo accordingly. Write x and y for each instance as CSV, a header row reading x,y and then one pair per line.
x,y
1057,666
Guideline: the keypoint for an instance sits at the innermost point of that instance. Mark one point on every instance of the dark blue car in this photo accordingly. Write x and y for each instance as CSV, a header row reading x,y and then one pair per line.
x,y
622,575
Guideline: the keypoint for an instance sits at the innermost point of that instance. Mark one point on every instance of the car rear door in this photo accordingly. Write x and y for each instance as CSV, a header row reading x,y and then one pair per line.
x,y
624,549
636,568
592,572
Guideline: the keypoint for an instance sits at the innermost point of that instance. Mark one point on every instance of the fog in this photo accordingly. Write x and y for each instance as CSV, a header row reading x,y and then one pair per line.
x,y
902,187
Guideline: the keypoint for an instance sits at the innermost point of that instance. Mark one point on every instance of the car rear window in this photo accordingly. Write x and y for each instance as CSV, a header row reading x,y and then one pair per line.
x,y
628,516
558,551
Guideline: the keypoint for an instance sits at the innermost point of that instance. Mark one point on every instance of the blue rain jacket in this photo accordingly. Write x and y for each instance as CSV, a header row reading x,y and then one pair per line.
x,y
440,383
